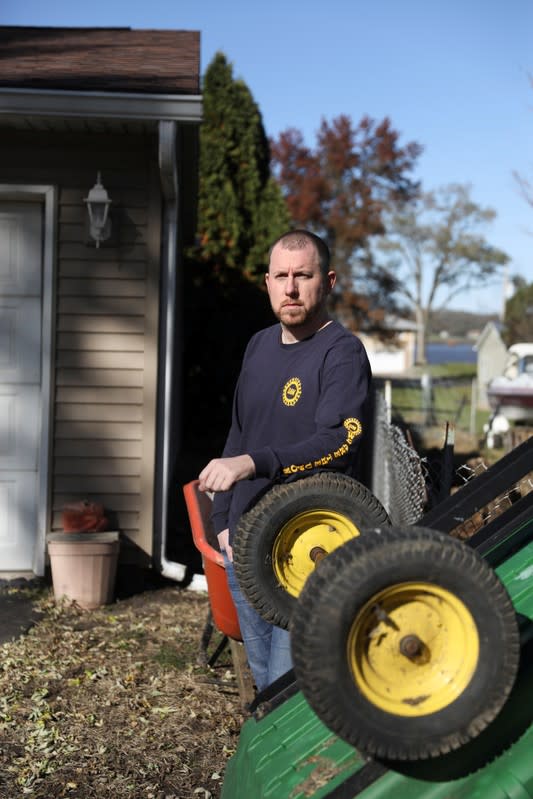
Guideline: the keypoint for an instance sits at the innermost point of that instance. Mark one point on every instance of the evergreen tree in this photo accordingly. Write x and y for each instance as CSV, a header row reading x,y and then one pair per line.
x,y
519,316
241,209
240,212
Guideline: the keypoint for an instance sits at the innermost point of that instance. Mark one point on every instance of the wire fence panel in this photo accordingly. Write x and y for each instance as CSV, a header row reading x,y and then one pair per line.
x,y
429,401
397,476
408,484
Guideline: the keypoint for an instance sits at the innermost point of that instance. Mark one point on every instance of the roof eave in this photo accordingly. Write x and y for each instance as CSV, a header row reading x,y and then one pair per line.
x,y
100,105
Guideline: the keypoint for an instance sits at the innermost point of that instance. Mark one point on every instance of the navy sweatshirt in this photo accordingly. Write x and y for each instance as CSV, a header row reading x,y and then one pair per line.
x,y
298,408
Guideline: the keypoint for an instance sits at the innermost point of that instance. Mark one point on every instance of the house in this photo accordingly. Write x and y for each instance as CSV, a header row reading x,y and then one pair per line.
x,y
389,340
391,348
491,359
89,314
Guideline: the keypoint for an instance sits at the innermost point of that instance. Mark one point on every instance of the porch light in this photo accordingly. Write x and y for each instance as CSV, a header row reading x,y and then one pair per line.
x,y
98,203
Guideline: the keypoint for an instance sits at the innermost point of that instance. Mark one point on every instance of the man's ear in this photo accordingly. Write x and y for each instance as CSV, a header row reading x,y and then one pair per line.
x,y
331,279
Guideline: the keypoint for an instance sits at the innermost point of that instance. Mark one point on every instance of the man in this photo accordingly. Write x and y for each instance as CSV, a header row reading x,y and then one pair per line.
x,y
298,407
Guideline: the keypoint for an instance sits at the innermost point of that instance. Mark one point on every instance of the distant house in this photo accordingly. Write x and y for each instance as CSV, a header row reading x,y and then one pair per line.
x,y
491,357
389,340
90,335
391,348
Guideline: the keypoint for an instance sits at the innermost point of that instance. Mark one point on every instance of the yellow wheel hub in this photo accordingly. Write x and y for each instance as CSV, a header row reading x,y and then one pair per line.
x,y
413,649
304,540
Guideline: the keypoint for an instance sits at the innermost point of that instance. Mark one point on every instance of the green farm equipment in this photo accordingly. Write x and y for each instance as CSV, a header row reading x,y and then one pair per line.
x,y
412,649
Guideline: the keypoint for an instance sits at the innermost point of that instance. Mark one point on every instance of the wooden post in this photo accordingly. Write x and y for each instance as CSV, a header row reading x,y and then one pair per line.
x,y
473,406
387,394
245,682
428,411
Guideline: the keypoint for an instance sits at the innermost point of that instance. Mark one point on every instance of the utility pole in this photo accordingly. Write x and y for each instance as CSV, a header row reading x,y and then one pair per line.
x,y
507,291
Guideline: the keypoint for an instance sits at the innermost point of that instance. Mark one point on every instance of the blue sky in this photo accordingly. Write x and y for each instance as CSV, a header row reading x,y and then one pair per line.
x,y
454,75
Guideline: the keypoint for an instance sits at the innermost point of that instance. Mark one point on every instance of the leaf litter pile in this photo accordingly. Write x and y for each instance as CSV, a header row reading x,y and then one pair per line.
x,y
114,702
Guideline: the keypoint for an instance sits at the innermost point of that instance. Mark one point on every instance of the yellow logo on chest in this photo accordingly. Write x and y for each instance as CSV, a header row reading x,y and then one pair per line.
x,y
292,391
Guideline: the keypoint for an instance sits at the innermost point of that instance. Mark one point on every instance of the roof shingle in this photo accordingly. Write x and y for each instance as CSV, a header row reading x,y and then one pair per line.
x,y
100,59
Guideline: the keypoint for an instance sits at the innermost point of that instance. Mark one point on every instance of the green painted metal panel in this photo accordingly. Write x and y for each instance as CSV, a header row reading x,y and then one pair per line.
x,y
290,754
517,575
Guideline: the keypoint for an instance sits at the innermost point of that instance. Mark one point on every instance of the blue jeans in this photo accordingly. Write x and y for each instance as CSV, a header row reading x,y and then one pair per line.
x,y
267,647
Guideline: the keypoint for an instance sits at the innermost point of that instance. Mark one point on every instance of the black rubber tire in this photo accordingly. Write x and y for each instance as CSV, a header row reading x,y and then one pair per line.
x,y
323,652
259,528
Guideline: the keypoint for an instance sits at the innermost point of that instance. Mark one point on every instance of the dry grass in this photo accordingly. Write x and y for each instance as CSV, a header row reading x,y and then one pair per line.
x,y
113,703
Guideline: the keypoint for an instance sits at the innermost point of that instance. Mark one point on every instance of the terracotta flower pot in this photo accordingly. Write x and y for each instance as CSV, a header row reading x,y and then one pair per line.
x,y
84,566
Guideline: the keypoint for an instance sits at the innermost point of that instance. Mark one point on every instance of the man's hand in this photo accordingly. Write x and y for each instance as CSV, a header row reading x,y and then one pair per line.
x,y
221,474
223,542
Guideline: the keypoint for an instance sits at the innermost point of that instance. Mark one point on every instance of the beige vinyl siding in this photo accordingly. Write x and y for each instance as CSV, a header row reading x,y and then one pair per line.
x,y
106,320
101,377
104,420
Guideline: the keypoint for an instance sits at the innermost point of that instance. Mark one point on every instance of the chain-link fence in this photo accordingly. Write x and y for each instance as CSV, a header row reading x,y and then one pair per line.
x,y
408,484
397,478
428,401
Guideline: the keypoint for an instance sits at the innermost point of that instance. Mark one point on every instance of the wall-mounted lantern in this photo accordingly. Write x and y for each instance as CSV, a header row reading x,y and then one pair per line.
x,y
98,203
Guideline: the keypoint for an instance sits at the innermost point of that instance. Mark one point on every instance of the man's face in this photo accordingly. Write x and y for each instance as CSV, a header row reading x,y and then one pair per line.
x,y
297,288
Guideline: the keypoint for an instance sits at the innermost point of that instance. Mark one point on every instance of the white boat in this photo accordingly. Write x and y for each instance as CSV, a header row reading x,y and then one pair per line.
x,y
511,394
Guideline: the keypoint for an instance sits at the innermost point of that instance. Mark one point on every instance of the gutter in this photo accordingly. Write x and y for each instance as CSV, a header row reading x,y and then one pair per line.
x,y
109,105
169,182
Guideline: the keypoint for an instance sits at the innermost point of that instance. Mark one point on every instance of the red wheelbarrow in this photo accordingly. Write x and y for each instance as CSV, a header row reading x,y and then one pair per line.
x,y
222,608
